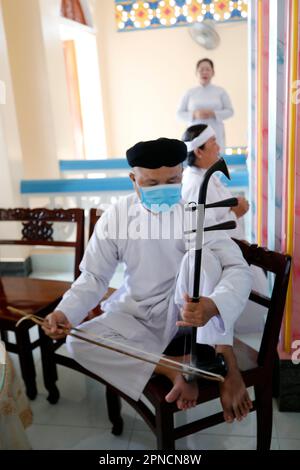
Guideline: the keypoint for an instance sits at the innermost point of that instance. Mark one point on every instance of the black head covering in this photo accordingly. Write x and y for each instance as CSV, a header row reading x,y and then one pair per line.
x,y
157,153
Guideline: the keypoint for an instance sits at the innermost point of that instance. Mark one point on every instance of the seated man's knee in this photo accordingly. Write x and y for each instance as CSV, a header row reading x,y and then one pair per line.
x,y
74,345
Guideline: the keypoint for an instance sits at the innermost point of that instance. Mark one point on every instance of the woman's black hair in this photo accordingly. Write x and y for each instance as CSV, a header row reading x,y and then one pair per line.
x,y
205,60
189,135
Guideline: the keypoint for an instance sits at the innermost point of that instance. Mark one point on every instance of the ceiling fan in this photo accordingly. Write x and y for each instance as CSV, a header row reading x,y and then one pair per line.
x,y
205,34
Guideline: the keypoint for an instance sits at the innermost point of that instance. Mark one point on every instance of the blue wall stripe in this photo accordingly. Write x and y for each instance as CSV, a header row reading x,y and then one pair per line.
x,y
238,179
76,185
107,164
121,163
235,159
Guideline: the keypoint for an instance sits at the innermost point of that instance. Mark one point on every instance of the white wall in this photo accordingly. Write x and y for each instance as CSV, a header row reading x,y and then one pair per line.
x,y
27,58
60,106
10,149
144,74
10,153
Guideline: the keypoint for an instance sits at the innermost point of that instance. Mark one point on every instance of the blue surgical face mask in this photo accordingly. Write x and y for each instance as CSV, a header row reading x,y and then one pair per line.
x,y
160,198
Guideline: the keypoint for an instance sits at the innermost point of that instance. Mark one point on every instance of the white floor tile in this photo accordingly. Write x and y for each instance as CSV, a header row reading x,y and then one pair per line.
x,y
287,424
289,444
202,441
44,437
247,427
142,440
104,440
275,444
145,440
140,424
84,438
82,403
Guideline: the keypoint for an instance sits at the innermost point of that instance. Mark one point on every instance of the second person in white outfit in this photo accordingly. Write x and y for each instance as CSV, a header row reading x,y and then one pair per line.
x,y
207,103
203,152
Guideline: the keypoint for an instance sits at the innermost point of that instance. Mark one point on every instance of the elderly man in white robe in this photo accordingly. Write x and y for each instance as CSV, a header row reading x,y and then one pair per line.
x,y
203,152
145,232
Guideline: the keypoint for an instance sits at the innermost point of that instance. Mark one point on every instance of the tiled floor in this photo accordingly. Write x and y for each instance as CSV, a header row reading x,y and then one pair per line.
x,y
79,421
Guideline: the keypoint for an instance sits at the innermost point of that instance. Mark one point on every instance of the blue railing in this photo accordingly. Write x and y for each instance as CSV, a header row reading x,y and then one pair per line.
x,y
92,185
121,163
236,163
76,185
85,165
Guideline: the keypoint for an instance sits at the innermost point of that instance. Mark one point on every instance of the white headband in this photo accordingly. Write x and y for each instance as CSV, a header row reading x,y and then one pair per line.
x,y
200,139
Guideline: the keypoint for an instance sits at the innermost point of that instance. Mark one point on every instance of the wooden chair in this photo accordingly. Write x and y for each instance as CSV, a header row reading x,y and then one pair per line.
x,y
36,296
256,368
95,215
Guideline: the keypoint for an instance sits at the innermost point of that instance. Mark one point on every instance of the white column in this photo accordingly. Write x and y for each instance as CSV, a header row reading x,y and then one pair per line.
x,y
10,154
22,22
10,148
56,72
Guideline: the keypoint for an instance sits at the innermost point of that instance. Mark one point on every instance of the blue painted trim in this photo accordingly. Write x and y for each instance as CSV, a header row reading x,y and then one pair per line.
x,y
75,185
105,164
238,179
121,163
235,159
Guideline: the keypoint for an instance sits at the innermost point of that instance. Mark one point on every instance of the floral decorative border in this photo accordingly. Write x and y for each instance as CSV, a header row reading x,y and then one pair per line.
x,y
142,14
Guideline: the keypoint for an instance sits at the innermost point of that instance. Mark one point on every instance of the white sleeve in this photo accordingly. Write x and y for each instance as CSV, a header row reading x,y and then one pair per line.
x,y
190,186
228,216
216,191
182,112
227,109
97,268
231,288
231,293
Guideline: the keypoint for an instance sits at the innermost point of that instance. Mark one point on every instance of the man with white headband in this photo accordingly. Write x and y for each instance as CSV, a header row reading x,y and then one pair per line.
x,y
201,139
144,312
203,152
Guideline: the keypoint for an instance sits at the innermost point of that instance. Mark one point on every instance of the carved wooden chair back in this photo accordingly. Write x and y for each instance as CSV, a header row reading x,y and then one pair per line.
x,y
37,228
37,296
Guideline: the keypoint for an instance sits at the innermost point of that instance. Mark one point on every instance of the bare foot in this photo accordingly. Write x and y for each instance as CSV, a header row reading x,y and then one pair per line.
x,y
184,393
234,397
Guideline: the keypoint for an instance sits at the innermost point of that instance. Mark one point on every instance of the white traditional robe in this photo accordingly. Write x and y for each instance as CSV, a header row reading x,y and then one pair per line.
x,y
252,318
143,312
210,97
